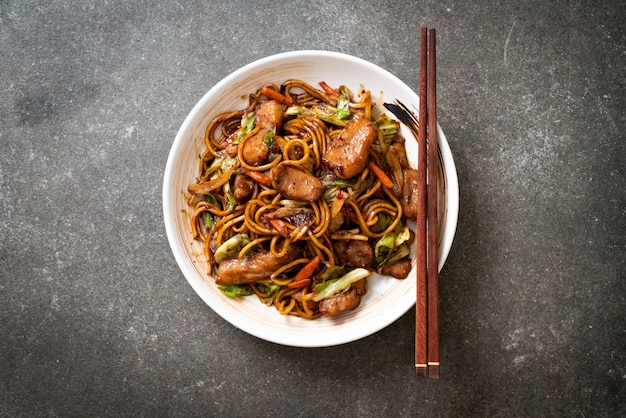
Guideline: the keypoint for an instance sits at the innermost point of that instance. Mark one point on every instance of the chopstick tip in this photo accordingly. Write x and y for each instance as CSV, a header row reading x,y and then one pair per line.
x,y
421,371
433,370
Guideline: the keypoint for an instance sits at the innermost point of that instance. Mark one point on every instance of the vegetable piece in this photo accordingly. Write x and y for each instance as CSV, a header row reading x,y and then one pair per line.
x,y
343,102
324,111
383,248
345,92
231,247
387,126
384,179
328,89
328,178
275,95
332,272
392,246
343,111
336,223
209,218
211,185
232,202
279,226
289,211
387,130
332,287
307,271
337,204
229,163
334,184
383,221
401,252
338,115
247,125
396,171
232,150
269,290
268,138
223,162
259,177
290,203
299,284
230,197
236,290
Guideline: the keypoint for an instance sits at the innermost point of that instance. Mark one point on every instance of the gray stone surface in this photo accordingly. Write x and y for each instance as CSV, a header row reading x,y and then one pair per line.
x,y
97,320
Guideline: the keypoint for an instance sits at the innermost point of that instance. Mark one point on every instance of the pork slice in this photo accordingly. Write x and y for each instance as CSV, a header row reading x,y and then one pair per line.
x,y
243,187
399,270
353,253
347,154
269,113
408,199
296,184
398,149
405,190
254,150
253,268
344,301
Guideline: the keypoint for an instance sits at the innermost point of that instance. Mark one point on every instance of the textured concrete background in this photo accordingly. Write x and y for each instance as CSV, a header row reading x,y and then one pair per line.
x,y
96,318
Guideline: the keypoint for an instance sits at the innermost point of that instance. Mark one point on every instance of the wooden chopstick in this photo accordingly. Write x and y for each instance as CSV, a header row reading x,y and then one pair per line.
x,y
433,259
427,296
421,356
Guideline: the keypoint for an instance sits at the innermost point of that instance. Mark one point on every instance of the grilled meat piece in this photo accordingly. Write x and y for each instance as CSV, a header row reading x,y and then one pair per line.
x,y
252,268
254,150
399,270
243,187
344,301
354,253
408,197
405,189
269,113
296,184
347,153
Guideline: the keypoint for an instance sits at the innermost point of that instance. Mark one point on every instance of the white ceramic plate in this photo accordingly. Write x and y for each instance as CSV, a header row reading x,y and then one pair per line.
x,y
387,298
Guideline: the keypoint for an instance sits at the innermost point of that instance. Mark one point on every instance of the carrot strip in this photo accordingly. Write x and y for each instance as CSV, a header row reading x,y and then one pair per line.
x,y
265,180
275,95
307,270
299,283
232,150
328,89
280,226
384,179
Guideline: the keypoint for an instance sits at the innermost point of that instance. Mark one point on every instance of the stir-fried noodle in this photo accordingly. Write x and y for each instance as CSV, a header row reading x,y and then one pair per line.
x,y
300,196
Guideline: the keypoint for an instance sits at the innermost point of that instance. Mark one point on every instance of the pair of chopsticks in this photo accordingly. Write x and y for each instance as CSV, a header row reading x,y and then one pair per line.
x,y
427,302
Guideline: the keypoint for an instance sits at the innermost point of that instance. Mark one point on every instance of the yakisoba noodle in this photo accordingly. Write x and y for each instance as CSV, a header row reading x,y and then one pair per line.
x,y
300,196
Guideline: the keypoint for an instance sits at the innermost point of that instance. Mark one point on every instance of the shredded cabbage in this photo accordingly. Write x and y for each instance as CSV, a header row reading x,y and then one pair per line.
x,y
330,288
230,248
392,246
247,125
236,290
